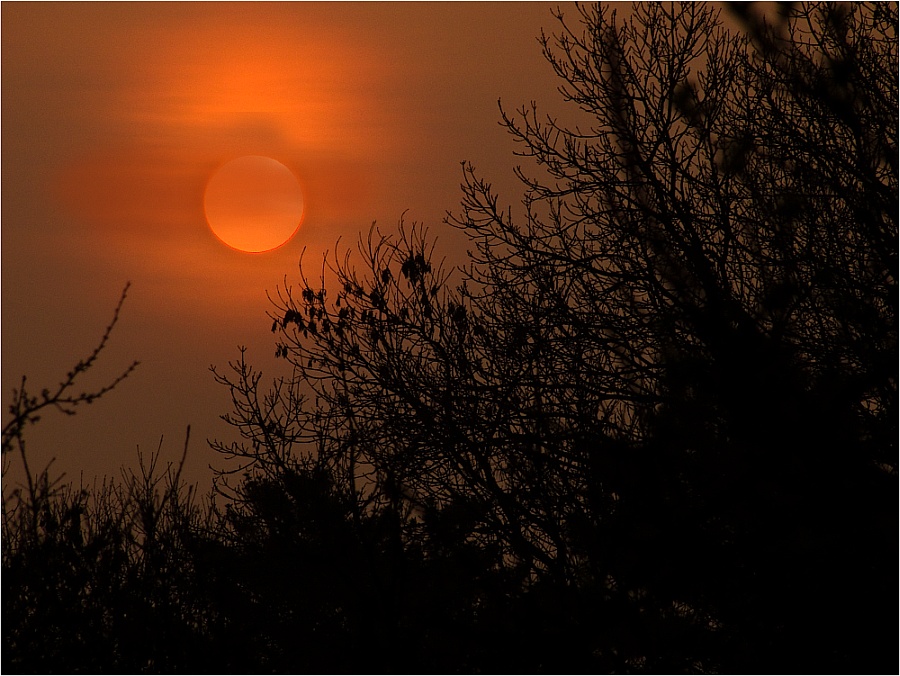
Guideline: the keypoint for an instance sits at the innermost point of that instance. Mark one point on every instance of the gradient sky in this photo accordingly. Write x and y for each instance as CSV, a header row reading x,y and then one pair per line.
x,y
113,118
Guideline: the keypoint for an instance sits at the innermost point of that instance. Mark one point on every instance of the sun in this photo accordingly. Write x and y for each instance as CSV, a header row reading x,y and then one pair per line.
x,y
253,204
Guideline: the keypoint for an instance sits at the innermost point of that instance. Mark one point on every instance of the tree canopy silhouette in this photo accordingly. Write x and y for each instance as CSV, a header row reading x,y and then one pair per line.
x,y
651,426
672,378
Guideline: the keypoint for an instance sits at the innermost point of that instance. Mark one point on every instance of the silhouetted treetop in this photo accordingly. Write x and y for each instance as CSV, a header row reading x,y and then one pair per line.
x,y
656,378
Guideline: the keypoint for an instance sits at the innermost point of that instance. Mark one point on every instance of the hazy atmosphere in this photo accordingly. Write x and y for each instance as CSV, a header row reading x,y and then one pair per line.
x,y
599,380
116,115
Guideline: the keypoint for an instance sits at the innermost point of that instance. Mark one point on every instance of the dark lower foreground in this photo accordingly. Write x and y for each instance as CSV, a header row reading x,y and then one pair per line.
x,y
292,581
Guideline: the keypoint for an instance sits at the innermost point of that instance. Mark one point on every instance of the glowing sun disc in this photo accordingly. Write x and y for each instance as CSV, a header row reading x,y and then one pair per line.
x,y
253,204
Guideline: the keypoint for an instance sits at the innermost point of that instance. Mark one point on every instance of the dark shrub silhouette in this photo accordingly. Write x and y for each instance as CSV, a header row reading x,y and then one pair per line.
x,y
96,579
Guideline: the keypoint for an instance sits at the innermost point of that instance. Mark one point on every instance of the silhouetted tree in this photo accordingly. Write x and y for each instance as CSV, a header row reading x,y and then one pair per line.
x,y
671,382
714,261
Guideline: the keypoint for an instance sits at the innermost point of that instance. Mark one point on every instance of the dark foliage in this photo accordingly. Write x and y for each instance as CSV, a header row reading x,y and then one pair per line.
x,y
651,427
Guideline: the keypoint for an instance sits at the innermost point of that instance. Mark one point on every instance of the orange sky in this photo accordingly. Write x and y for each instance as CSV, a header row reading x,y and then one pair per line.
x,y
113,117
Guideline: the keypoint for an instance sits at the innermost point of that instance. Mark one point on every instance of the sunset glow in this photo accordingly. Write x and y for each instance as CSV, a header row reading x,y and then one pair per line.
x,y
117,118
253,204
449,337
